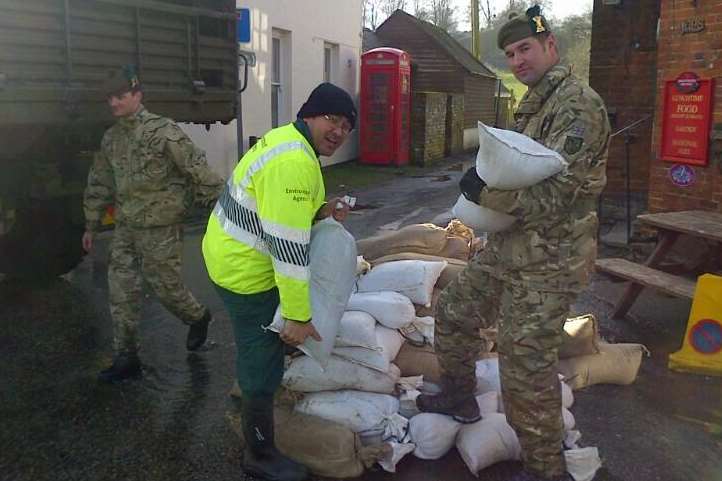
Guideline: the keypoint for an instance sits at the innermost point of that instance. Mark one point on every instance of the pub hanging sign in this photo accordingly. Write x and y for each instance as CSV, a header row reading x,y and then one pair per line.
x,y
686,119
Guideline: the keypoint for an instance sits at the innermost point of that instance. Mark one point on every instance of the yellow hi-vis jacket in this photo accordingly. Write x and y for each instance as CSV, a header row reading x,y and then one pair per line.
x,y
259,233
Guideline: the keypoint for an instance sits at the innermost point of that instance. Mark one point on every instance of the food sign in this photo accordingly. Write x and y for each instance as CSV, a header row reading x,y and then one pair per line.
x,y
686,119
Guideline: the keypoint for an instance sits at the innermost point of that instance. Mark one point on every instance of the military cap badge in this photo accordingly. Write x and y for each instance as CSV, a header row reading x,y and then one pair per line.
x,y
536,21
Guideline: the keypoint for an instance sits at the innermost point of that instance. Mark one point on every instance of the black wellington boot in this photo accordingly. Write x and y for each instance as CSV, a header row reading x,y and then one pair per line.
x,y
126,365
198,332
261,458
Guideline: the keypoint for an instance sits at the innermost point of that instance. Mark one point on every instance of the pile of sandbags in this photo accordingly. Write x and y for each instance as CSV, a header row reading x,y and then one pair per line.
x,y
355,395
356,386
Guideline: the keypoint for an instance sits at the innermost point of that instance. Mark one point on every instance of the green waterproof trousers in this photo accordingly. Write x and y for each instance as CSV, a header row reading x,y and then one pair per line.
x,y
259,352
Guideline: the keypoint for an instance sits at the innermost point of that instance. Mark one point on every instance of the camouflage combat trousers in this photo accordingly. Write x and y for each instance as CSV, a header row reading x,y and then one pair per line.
x,y
153,254
530,327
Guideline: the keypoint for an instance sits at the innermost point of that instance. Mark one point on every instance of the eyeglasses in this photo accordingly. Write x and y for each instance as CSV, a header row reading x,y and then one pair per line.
x,y
339,123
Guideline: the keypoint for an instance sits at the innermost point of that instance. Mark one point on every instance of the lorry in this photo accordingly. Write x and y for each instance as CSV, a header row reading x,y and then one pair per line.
x,y
54,57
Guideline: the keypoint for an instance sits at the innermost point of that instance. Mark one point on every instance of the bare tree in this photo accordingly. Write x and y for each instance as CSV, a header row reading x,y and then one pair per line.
x,y
442,15
370,12
390,6
487,13
420,10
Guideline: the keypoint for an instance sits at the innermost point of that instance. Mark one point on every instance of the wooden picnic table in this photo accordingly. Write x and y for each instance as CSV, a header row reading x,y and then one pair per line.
x,y
696,223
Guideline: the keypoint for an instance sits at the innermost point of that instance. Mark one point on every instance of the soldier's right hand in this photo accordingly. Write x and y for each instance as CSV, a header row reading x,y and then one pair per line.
x,y
88,241
294,332
471,185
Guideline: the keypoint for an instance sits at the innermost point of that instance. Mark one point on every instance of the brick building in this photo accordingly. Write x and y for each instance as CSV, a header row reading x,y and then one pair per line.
x,y
637,47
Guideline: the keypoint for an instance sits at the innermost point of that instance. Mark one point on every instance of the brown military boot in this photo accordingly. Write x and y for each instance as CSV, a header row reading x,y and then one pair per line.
x,y
455,400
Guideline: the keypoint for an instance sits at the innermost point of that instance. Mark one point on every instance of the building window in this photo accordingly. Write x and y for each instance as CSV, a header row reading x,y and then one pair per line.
x,y
281,77
275,80
330,62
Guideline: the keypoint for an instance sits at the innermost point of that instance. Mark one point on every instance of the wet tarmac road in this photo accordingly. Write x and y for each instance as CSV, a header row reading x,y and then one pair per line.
x,y
58,423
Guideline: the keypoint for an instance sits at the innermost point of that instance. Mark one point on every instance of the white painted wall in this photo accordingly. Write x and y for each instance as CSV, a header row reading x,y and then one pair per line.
x,y
306,27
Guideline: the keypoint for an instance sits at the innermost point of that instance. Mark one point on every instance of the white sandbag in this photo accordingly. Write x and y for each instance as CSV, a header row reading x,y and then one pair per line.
x,y
414,279
510,160
615,364
488,402
305,375
398,451
388,343
425,326
332,257
479,218
389,308
433,434
357,329
487,376
567,395
487,442
583,463
364,357
363,412
407,403
571,439
568,419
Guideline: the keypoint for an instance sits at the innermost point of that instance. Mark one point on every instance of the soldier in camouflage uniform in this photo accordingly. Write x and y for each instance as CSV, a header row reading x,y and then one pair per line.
x,y
526,279
151,171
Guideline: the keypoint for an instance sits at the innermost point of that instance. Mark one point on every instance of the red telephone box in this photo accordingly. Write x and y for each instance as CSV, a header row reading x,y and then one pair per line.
x,y
385,106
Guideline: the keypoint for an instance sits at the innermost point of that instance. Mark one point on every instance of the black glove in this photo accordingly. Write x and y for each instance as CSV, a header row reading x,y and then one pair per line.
x,y
471,185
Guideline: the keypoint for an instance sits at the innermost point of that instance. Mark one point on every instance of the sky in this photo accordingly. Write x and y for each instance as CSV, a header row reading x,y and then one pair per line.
x,y
560,9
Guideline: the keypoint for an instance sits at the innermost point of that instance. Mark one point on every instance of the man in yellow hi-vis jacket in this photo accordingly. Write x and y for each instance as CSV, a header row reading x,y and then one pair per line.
x,y
256,251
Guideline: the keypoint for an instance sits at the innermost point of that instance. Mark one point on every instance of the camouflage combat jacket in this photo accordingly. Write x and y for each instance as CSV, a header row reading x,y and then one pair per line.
x,y
151,171
552,247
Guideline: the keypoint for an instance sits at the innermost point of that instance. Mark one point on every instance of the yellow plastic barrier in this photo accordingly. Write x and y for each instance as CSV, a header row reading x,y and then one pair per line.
x,y
702,347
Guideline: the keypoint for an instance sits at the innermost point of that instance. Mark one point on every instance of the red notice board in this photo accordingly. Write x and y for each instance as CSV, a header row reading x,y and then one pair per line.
x,y
686,119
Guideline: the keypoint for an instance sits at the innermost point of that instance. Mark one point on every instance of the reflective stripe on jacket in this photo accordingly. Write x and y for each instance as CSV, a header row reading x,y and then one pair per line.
x,y
258,235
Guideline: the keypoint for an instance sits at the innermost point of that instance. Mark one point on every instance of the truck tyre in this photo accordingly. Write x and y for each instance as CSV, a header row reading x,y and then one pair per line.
x,y
45,241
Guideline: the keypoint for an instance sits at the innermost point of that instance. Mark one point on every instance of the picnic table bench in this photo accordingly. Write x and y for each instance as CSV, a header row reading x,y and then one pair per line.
x,y
701,224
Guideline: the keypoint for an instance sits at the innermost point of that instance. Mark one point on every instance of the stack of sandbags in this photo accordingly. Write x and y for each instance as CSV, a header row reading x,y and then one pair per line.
x,y
354,389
